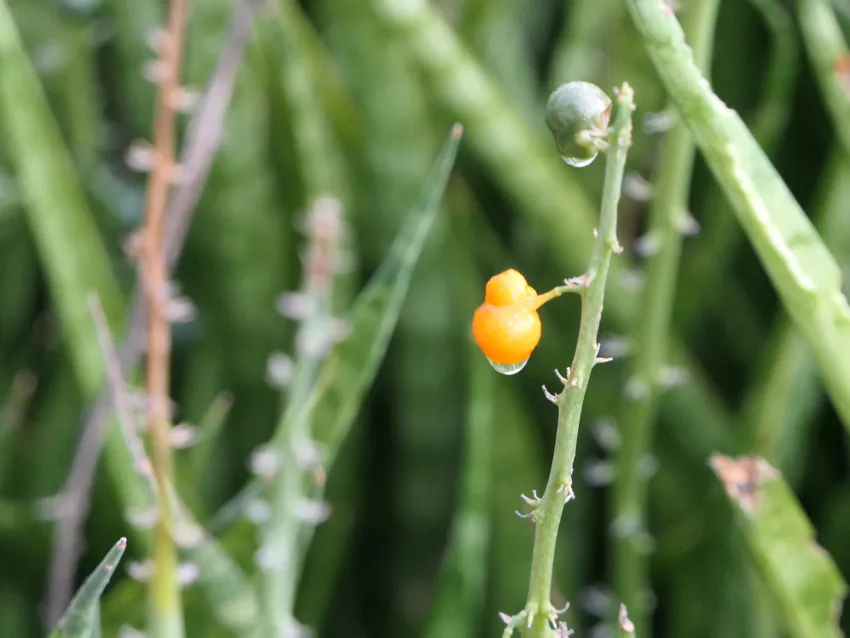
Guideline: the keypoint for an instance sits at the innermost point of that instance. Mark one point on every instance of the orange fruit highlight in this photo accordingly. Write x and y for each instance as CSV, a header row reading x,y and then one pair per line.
x,y
507,288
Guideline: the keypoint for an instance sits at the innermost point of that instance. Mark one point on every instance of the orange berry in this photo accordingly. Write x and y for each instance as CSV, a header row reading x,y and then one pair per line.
x,y
507,288
506,334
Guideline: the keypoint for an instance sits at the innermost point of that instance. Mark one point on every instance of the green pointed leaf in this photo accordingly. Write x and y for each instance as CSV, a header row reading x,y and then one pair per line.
x,y
802,577
801,268
94,616
345,377
348,373
463,579
81,619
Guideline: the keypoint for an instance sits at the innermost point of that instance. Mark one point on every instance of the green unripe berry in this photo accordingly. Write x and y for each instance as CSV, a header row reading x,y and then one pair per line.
x,y
577,113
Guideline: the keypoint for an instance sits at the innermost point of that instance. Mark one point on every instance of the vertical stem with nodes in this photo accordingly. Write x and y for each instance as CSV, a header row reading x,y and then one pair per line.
x,y
630,568
540,618
165,603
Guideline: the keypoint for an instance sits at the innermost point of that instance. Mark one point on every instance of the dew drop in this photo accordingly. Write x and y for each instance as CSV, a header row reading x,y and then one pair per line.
x,y
507,368
579,162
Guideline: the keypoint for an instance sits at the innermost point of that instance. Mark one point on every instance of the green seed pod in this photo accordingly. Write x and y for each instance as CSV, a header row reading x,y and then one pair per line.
x,y
577,114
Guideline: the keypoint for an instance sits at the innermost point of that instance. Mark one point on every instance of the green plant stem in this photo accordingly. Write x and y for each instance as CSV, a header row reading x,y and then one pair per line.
x,y
322,176
539,610
550,197
782,402
721,236
288,493
166,605
826,48
670,200
803,272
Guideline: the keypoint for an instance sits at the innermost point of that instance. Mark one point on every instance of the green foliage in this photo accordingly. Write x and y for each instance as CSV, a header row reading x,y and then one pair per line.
x,y
806,583
82,618
804,273
464,572
71,251
667,217
347,375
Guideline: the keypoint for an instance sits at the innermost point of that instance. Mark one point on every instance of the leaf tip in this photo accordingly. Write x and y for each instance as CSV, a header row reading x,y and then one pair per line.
x,y
743,477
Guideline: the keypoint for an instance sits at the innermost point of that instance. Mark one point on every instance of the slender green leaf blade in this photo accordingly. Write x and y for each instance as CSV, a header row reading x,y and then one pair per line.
x,y
799,265
784,398
68,243
464,577
348,373
94,615
80,619
803,578
71,252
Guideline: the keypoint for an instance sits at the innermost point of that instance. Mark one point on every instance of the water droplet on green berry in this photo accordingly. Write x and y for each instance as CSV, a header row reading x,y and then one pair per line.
x,y
577,114
579,162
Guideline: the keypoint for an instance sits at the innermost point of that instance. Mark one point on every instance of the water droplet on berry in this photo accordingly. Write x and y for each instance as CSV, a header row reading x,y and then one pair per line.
x,y
579,162
507,368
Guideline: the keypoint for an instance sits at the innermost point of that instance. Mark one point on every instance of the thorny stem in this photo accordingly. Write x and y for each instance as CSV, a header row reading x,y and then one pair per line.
x,y
165,602
290,507
200,143
650,338
539,612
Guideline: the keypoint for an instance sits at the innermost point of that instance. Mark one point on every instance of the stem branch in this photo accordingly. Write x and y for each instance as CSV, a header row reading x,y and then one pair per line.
x,y
629,571
539,611
165,602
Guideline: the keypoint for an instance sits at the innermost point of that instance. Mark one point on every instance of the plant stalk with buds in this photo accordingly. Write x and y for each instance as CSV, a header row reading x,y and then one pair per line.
x,y
539,617
166,615
296,456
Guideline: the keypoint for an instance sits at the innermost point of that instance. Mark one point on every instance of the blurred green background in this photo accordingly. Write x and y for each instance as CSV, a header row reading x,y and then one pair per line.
x,y
334,98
